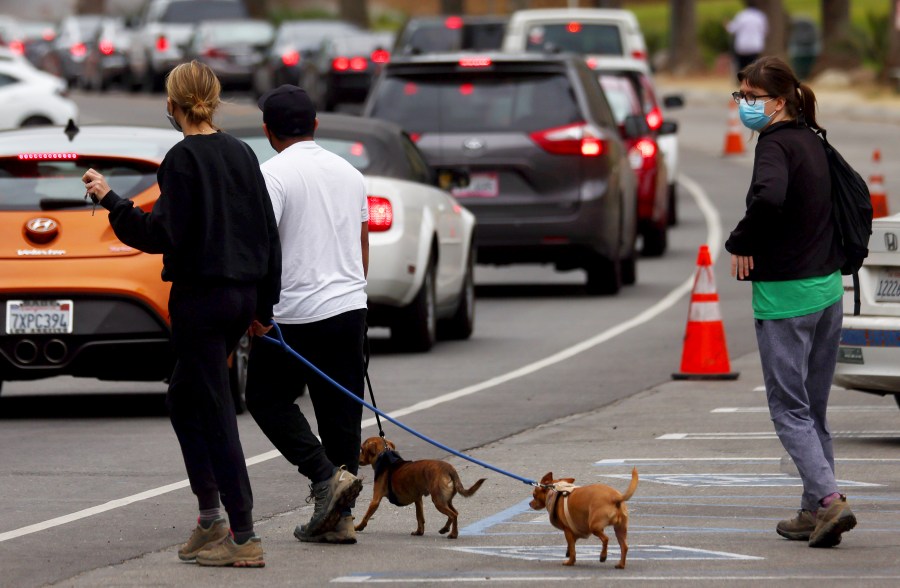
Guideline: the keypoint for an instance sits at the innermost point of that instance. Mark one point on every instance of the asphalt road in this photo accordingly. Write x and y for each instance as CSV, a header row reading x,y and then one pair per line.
x,y
92,479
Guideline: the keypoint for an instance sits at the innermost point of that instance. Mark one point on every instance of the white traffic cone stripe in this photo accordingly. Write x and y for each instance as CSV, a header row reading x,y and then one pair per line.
x,y
705,282
704,312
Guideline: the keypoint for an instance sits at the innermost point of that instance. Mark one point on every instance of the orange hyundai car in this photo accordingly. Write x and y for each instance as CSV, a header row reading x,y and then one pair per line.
x,y
77,301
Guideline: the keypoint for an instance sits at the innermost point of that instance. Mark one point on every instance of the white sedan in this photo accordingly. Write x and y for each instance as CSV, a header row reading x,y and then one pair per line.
x,y
29,96
869,354
421,259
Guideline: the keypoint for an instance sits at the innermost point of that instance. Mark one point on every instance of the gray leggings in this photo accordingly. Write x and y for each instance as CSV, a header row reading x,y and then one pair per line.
x,y
798,357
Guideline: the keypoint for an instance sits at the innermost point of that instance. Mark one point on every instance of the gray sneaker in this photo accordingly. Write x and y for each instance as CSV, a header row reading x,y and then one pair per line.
x,y
798,528
331,496
343,533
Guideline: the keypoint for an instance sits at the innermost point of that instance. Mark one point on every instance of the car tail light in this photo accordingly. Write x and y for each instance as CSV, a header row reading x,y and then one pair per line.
x,y
475,62
358,63
591,62
340,64
56,156
574,27
162,43
654,119
106,47
381,214
577,139
639,54
381,56
215,53
78,50
290,58
453,22
415,137
466,89
17,47
642,153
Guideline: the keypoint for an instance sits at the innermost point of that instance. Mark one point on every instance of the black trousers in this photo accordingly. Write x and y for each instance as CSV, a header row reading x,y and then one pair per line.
x,y
207,322
276,379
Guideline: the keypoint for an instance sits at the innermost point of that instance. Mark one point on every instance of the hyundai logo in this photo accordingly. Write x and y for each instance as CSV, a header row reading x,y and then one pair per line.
x,y
41,229
890,241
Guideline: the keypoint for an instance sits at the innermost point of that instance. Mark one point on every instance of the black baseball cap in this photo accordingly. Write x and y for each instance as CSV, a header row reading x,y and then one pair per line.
x,y
288,111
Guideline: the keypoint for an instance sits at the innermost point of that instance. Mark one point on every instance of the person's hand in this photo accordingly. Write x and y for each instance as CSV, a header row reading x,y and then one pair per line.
x,y
95,184
741,266
257,329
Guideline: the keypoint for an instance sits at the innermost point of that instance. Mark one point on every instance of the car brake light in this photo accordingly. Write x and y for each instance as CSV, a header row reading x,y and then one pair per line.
x,y
654,119
574,139
591,62
162,43
215,53
466,89
475,62
574,27
106,47
357,149
290,58
381,214
359,63
17,47
78,50
340,64
641,154
415,137
639,54
381,56
48,156
453,22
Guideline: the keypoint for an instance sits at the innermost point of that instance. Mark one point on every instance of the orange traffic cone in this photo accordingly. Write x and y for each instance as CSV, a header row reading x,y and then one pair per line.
x,y
704,355
876,187
734,144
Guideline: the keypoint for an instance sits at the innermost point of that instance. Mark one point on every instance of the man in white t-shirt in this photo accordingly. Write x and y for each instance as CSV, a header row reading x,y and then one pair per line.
x,y
749,27
322,212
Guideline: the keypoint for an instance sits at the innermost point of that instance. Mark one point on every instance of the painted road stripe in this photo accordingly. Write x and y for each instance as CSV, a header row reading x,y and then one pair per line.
x,y
742,460
635,552
604,575
714,237
766,435
778,480
831,409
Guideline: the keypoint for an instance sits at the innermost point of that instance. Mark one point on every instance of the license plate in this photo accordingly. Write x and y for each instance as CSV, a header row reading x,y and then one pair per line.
x,y
850,355
888,289
38,317
481,185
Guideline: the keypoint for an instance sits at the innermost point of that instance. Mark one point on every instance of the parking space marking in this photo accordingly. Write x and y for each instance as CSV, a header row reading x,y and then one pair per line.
x,y
765,409
778,480
585,552
668,461
766,435
492,576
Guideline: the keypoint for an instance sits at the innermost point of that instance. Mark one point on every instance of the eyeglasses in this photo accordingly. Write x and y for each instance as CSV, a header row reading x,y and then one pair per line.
x,y
750,98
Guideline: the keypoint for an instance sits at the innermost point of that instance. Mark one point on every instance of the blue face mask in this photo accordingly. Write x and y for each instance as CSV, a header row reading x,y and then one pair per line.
x,y
754,117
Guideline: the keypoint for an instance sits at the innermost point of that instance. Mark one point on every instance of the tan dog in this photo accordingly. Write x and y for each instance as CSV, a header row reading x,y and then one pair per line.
x,y
405,482
582,511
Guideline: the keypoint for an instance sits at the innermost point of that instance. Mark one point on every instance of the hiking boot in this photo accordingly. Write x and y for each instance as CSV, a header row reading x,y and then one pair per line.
x,y
201,539
831,522
798,528
331,496
343,533
229,553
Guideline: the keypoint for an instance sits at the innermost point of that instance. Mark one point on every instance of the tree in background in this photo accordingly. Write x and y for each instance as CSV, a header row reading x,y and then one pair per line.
x,y
355,11
839,50
452,7
779,25
892,58
684,51
91,7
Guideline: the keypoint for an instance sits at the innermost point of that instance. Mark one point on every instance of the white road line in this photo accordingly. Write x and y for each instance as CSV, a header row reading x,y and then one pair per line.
x,y
764,435
606,578
629,461
765,409
714,237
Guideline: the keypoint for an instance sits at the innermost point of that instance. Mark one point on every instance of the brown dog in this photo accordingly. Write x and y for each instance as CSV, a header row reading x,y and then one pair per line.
x,y
582,511
405,482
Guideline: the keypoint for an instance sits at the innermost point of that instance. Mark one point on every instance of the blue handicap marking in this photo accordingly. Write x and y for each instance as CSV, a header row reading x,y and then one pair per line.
x,y
635,552
776,480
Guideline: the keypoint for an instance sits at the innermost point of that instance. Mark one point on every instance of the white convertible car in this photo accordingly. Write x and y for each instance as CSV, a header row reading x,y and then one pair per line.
x,y
420,281
869,354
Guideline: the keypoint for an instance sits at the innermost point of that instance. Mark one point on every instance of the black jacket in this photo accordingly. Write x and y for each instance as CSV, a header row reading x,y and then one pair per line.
x,y
788,227
213,221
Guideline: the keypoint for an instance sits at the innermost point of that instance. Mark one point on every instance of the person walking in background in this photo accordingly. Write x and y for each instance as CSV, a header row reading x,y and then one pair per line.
x,y
321,207
749,27
787,244
215,227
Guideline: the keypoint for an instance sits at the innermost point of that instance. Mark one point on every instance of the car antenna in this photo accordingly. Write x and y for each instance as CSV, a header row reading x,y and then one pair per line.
x,y
71,130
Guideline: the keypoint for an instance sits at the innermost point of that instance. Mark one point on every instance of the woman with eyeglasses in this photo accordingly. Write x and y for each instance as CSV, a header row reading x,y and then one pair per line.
x,y
787,246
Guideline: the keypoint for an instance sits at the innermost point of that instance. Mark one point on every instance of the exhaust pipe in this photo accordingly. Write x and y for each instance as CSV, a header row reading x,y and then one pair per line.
x,y
55,350
25,351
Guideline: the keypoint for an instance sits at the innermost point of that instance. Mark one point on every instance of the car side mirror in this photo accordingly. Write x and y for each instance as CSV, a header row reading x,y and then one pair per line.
x,y
635,127
673,101
668,127
448,179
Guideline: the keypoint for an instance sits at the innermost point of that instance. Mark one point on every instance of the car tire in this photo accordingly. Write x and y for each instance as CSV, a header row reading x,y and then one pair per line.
x,y
673,205
415,326
604,276
628,271
462,323
237,373
656,241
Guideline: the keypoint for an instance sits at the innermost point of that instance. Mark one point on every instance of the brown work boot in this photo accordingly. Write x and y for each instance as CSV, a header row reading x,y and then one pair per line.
x,y
202,538
798,528
228,553
831,522
343,533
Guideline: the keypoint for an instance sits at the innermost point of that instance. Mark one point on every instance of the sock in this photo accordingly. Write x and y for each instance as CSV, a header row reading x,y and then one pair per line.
x,y
241,537
208,516
829,499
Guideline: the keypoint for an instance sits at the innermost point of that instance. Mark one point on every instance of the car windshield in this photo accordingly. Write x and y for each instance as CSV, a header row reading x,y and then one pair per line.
x,y
45,181
308,35
621,95
193,12
353,151
582,38
251,33
479,102
438,37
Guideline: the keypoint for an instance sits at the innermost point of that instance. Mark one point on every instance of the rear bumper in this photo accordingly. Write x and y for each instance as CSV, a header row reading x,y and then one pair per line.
x,y
869,354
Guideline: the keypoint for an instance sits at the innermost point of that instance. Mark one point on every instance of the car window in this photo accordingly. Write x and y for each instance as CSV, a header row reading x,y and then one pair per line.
x,y
440,37
308,36
621,96
478,102
583,38
354,152
419,170
235,34
31,181
6,80
193,12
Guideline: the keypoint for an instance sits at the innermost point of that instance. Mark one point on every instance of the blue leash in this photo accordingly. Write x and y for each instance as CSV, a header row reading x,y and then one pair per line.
x,y
280,342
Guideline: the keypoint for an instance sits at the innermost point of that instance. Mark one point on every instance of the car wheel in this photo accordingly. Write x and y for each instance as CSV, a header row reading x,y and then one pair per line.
x,y
628,270
237,373
604,276
656,241
415,327
36,121
673,205
462,323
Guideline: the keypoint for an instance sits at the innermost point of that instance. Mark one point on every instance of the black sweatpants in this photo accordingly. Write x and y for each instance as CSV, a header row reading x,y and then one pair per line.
x,y
276,378
207,322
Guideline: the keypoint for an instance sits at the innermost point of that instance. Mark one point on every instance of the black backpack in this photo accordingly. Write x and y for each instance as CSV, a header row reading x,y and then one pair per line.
x,y
852,207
